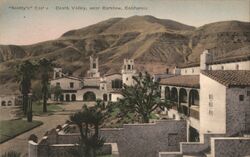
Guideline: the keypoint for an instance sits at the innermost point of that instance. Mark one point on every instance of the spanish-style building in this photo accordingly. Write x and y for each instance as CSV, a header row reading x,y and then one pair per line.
x,y
94,86
214,97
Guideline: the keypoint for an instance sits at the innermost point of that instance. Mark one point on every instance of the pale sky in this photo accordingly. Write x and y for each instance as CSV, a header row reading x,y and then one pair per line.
x,y
22,27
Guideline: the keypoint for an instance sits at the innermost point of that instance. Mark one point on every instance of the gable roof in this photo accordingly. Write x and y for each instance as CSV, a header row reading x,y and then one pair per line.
x,y
192,81
230,78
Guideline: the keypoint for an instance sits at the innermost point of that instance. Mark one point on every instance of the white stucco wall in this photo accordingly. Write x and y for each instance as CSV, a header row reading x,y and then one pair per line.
x,y
190,71
214,122
8,100
65,83
127,78
244,65
115,97
91,81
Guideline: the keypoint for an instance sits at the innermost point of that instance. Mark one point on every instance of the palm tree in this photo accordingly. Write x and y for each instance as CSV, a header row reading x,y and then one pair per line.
x,y
46,67
25,72
85,120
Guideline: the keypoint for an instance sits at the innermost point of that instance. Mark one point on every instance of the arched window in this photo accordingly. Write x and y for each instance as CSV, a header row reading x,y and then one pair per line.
x,y
61,97
73,97
183,95
116,84
105,97
194,97
174,94
89,96
94,65
3,103
67,97
167,93
9,103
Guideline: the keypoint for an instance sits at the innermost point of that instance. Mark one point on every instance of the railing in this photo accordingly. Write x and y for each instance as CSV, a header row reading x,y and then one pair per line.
x,y
195,114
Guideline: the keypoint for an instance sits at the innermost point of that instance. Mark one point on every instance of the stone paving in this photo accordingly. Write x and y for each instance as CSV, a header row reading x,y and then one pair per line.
x,y
20,143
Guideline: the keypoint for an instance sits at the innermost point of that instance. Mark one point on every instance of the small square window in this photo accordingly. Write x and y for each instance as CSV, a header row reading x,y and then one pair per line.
x,y
71,84
210,104
210,96
58,84
241,97
248,93
210,112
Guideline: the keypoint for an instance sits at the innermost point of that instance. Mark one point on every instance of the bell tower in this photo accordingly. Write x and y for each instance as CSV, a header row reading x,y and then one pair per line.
x,y
128,71
94,67
57,73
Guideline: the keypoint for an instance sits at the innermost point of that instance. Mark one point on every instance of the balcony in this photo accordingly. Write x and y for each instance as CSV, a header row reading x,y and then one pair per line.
x,y
194,112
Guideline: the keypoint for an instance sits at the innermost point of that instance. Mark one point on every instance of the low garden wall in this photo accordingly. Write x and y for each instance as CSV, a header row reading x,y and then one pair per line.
x,y
230,146
133,140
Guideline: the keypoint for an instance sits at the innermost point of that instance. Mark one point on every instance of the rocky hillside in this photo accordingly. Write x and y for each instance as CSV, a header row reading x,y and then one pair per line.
x,y
153,43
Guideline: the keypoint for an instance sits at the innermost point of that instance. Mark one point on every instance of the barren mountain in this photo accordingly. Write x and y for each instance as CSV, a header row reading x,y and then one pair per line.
x,y
154,44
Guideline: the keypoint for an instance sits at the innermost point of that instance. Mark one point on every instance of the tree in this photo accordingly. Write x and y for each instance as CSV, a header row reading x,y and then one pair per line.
x,y
142,98
57,91
90,141
45,67
25,72
37,91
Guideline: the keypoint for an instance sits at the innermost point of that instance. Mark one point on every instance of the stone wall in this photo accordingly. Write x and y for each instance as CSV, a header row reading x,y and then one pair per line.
x,y
238,111
147,140
230,147
133,140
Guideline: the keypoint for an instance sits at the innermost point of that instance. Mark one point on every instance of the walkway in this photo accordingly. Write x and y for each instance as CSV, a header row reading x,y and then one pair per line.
x,y
20,143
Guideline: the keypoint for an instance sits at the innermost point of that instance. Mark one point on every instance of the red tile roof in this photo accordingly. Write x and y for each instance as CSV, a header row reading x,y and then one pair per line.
x,y
192,81
230,78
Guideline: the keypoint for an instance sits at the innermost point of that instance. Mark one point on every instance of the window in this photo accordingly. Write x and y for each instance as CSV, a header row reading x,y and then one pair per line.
x,y
94,65
210,112
248,93
210,104
185,71
129,67
210,96
192,70
241,97
237,67
58,84
116,84
71,84
127,79
173,116
222,67
167,71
